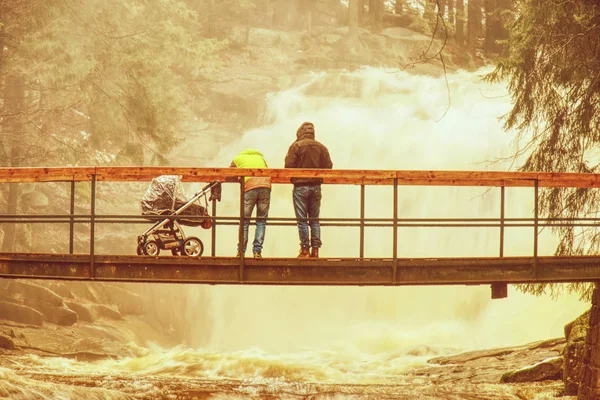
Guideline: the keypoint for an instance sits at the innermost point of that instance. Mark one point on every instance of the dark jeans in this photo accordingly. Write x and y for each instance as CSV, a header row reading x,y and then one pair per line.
x,y
261,198
307,205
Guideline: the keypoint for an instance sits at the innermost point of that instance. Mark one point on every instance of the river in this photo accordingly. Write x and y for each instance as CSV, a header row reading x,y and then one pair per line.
x,y
343,342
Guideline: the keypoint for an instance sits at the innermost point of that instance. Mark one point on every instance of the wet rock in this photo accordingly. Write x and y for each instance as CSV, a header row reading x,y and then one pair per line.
x,y
316,61
83,313
550,369
242,95
489,365
36,292
61,289
19,313
405,34
573,353
260,37
6,342
83,291
35,199
102,311
129,303
329,38
59,315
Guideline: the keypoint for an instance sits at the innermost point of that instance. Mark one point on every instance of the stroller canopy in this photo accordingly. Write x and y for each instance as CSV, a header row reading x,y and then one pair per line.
x,y
165,196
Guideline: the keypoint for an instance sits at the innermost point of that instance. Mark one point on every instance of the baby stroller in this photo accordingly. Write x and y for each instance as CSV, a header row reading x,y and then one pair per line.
x,y
166,197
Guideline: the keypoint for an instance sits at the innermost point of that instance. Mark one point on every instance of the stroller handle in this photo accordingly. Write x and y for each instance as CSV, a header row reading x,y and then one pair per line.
x,y
208,185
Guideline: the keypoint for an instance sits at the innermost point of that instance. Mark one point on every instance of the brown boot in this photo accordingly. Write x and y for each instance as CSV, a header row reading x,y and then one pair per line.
x,y
304,253
314,252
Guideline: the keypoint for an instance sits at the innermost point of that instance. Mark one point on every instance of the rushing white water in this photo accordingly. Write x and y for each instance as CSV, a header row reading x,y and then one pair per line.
x,y
283,336
380,119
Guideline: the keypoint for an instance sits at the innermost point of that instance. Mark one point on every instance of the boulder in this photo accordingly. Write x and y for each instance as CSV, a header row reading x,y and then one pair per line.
x,y
102,311
573,352
61,289
35,292
329,38
83,314
83,291
241,95
405,35
127,301
59,315
6,342
549,369
19,313
260,37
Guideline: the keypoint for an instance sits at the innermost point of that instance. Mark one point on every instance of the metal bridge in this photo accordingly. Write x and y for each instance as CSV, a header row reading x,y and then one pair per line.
x,y
345,270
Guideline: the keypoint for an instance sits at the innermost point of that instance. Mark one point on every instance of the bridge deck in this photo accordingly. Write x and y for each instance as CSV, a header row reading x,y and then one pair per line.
x,y
292,271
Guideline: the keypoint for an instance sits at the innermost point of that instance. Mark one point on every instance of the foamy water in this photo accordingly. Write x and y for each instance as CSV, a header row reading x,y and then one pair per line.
x,y
296,341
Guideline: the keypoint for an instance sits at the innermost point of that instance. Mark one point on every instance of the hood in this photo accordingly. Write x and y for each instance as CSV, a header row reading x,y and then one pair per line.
x,y
250,152
305,131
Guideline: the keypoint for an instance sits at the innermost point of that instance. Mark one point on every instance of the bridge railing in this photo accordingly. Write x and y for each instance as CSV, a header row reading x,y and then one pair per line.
x,y
361,178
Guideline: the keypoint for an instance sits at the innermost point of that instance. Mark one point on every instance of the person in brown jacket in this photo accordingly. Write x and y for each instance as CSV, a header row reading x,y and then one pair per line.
x,y
257,192
306,152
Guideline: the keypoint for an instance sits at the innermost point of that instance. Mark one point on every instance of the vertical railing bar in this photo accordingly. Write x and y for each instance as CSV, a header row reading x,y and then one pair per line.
x,y
72,220
241,231
395,235
502,205
92,227
535,228
213,233
362,221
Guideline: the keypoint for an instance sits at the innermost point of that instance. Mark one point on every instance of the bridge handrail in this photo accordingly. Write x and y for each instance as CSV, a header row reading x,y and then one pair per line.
x,y
281,175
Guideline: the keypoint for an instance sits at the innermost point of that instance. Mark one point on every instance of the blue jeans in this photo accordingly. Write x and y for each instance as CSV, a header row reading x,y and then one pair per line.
x,y
307,205
261,198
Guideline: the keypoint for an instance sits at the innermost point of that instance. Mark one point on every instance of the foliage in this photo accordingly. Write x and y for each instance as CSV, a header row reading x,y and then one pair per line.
x,y
110,81
553,76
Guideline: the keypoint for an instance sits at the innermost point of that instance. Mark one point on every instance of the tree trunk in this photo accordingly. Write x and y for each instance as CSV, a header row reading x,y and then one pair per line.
x,y
429,12
361,10
353,13
472,25
588,389
442,9
452,12
496,12
399,9
14,100
491,26
460,23
478,17
376,10
505,15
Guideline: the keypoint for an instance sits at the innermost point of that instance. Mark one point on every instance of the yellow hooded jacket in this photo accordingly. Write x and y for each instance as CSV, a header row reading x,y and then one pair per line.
x,y
250,158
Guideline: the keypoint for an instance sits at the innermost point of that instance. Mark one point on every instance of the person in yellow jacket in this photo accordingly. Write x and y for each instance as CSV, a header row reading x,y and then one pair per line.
x,y
257,192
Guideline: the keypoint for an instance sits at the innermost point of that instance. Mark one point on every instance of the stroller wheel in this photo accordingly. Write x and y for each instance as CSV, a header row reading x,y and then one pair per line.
x,y
139,250
151,248
193,247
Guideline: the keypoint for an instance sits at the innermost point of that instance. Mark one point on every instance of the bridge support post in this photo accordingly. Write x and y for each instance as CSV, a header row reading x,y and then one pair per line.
x,y
395,224
241,231
535,228
362,221
71,219
502,197
499,290
213,232
92,226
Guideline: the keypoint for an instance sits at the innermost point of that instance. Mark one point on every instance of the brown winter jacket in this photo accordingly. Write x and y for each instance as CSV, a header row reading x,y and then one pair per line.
x,y
306,152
